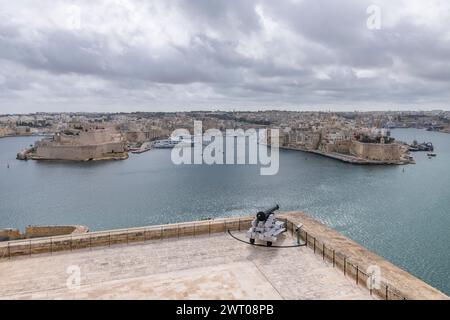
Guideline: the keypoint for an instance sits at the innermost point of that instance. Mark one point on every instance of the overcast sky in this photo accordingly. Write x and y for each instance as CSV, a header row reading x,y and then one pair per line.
x,y
168,55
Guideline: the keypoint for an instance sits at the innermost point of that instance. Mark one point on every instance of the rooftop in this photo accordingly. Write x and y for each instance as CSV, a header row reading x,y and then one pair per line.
x,y
199,260
212,266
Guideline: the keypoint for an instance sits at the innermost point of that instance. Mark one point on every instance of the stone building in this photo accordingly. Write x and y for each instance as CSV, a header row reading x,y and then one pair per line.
x,y
82,143
302,138
140,136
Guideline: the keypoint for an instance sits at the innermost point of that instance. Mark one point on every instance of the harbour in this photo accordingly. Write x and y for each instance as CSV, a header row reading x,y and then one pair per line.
x,y
220,156
370,205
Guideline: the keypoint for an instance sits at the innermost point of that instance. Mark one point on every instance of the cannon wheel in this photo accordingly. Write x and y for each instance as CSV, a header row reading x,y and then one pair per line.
x,y
252,241
269,243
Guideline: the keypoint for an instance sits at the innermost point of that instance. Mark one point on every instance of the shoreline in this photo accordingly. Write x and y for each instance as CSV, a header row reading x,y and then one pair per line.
x,y
350,159
115,157
21,136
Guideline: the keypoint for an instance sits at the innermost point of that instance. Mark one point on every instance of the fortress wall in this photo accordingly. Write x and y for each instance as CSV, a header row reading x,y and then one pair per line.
x,y
328,148
78,153
357,149
112,147
339,146
97,137
135,136
343,146
375,151
90,137
143,136
66,152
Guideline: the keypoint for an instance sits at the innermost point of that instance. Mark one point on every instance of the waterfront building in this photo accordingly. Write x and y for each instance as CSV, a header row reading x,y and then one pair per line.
x,y
82,142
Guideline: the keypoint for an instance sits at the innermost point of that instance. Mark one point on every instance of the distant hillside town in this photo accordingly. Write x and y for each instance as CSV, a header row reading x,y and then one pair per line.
x,y
355,137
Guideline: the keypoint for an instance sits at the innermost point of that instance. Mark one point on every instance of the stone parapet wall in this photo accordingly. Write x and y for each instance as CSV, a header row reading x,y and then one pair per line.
x,y
9,234
339,251
355,261
121,236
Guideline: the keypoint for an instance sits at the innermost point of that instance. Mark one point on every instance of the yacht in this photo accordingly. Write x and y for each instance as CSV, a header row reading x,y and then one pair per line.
x,y
174,142
166,144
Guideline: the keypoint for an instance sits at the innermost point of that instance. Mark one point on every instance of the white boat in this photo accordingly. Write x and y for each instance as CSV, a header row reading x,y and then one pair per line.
x,y
174,142
166,144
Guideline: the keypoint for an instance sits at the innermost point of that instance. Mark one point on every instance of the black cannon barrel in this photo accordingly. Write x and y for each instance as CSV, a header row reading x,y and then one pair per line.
x,y
264,215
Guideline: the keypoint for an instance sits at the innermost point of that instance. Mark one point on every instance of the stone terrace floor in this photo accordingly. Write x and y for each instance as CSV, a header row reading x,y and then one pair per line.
x,y
204,267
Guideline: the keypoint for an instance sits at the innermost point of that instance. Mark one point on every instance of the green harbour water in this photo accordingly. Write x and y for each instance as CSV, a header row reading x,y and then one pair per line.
x,y
400,212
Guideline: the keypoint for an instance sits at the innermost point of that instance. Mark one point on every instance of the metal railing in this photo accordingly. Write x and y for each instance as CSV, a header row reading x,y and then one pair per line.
x,y
99,239
346,265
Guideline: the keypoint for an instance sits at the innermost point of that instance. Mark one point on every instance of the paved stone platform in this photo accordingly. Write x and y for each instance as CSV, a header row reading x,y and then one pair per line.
x,y
204,267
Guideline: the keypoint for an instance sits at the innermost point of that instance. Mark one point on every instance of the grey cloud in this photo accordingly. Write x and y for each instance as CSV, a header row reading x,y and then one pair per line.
x,y
311,56
223,14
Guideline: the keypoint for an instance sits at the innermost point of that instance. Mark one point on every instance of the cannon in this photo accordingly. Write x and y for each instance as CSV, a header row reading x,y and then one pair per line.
x,y
264,215
266,227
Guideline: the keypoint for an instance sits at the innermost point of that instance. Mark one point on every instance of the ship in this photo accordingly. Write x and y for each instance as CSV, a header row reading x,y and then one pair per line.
x,y
425,146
